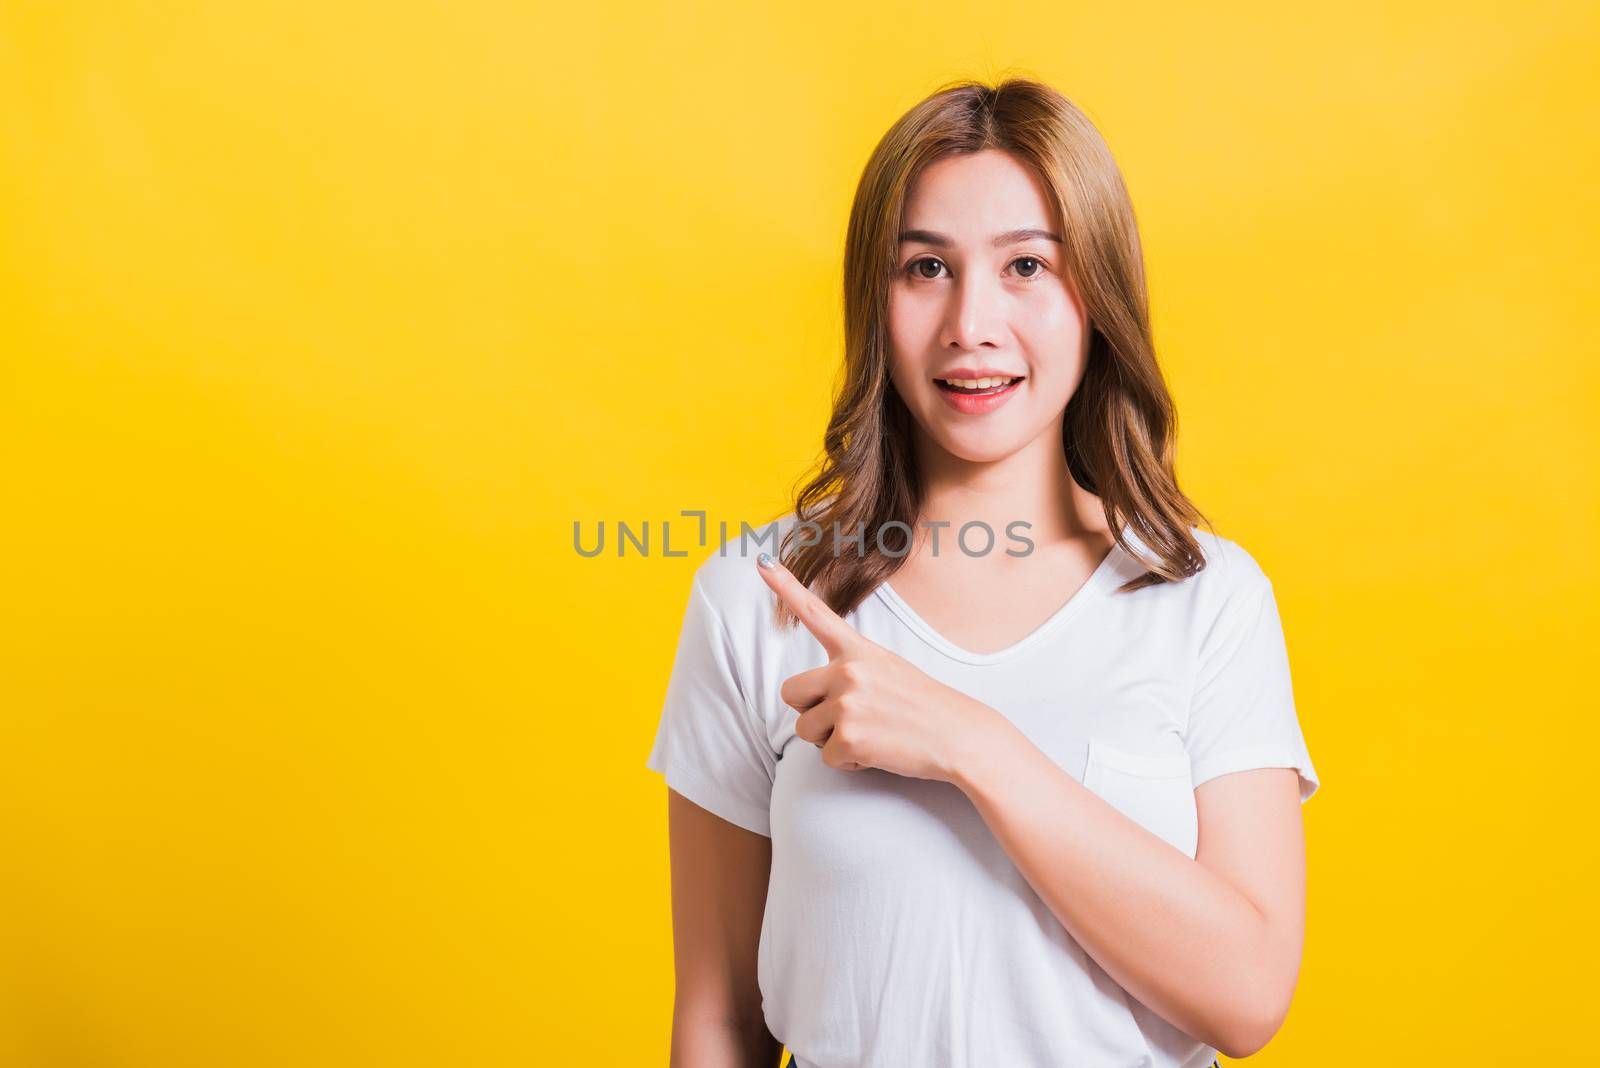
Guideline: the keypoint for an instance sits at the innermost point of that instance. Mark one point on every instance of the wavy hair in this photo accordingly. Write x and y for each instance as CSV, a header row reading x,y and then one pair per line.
x,y
1119,427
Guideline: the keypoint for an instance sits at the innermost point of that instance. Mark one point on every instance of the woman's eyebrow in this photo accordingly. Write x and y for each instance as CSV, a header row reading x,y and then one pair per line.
x,y
1010,237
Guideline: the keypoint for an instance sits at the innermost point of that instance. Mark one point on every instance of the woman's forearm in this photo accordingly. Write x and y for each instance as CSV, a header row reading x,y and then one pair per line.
x,y
1171,932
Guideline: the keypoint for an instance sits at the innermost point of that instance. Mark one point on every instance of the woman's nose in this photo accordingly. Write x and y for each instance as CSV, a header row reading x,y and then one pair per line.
x,y
976,314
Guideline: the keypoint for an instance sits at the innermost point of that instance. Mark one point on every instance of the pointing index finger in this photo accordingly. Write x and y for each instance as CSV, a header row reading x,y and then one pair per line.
x,y
823,622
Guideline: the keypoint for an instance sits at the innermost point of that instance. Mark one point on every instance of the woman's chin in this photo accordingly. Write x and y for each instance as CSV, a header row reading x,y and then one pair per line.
x,y
983,448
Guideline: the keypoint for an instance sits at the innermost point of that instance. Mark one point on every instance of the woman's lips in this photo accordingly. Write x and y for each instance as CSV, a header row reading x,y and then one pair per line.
x,y
977,403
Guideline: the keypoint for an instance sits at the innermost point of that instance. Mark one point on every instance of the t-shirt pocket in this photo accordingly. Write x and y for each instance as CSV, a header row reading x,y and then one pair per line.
x,y
1153,790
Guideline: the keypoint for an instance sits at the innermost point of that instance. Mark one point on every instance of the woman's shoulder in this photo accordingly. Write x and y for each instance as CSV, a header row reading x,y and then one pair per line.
x,y
1232,575
1230,571
728,578
1229,563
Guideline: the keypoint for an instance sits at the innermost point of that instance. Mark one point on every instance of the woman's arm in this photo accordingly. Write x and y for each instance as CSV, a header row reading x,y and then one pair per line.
x,y
1210,944
719,893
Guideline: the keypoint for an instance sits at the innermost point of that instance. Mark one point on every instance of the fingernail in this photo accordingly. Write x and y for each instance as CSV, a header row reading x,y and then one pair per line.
x,y
765,561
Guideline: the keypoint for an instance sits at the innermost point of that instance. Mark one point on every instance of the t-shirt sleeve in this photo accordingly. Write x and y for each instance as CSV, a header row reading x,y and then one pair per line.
x,y
710,745
1242,715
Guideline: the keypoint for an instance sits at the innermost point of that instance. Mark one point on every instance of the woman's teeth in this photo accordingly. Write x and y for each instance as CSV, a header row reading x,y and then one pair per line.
x,y
976,385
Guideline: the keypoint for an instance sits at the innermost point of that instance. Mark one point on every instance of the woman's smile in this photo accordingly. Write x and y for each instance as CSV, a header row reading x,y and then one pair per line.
x,y
977,396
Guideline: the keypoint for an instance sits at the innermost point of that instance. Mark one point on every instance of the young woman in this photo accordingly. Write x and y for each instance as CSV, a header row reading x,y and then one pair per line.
x,y
1036,802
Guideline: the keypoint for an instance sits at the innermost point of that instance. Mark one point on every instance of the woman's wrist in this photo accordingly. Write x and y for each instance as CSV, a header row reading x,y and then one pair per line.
x,y
980,751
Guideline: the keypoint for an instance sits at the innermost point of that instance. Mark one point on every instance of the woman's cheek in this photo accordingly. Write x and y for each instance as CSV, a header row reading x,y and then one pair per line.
x,y
1052,315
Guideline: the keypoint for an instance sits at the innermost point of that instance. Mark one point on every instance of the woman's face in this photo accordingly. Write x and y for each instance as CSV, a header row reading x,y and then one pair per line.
x,y
976,294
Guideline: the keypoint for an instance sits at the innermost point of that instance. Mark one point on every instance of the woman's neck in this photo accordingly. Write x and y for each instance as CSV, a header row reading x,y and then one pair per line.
x,y
1033,485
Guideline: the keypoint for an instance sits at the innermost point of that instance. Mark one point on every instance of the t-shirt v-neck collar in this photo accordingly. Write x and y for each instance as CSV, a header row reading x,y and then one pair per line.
x,y
1098,580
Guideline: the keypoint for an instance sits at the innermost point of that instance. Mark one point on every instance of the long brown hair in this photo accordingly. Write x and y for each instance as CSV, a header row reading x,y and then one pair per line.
x,y
1118,431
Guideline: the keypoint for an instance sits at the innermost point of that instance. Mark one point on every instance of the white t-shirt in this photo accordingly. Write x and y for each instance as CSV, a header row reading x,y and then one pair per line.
x,y
897,930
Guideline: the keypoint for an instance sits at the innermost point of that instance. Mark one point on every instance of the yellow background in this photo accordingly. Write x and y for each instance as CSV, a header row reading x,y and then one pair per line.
x,y
322,323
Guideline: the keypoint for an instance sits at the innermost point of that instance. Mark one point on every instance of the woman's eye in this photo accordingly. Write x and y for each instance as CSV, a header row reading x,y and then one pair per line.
x,y
1029,259
917,266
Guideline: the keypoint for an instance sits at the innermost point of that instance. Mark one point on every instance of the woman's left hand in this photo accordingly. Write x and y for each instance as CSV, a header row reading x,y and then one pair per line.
x,y
868,707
